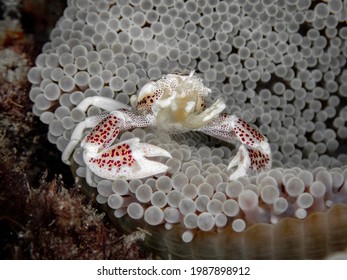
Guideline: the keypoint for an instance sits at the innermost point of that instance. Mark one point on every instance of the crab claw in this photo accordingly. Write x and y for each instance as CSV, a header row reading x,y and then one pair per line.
x,y
242,161
249,161
254,155
149,167
126,160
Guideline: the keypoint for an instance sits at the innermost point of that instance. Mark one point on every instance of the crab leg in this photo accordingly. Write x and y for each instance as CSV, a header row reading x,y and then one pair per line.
x,y
77,135
254,154
105,103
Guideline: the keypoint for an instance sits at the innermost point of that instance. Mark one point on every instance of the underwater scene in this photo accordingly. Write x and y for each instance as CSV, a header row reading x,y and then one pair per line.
x,y
204,129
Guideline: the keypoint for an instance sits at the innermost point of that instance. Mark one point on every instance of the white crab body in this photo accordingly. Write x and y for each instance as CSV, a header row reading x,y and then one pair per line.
x,y
175,103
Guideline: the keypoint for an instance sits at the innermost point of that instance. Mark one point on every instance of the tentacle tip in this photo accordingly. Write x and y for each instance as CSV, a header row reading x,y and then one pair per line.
x,y
66,161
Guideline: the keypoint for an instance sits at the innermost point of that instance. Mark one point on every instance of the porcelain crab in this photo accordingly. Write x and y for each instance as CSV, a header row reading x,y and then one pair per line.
x,y
175,103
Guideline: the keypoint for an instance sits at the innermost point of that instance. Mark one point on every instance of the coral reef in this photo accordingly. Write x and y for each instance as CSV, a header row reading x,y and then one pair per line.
x,y
42,217
13,67
278,64
52,222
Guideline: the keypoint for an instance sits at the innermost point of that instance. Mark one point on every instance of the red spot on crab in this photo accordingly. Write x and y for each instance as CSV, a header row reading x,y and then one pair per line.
x,y
258,159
